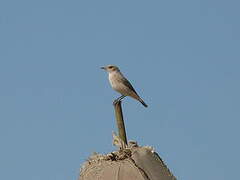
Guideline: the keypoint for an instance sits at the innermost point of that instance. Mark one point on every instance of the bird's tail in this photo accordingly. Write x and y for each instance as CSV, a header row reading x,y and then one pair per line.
x,y
143,103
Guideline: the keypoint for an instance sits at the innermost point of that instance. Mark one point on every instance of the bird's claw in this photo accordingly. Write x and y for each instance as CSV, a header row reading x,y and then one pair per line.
x,y
116,101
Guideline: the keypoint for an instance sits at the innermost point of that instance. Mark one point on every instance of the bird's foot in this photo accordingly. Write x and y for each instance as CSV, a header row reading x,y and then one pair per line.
x,y
116,101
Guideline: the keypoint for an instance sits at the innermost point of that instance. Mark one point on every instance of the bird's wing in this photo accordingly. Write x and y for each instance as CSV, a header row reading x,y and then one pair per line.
x,y
128,84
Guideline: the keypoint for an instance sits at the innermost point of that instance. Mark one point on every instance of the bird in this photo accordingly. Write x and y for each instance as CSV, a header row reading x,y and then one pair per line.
x,y
120,84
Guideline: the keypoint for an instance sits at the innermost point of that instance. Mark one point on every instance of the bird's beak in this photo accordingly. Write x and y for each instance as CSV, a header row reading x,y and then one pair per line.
x,y
103,68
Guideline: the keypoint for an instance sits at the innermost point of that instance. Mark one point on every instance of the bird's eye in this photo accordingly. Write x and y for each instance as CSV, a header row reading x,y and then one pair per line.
x,y
110,67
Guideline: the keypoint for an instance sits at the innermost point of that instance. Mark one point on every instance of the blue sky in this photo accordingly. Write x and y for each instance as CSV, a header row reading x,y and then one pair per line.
x,y
56,103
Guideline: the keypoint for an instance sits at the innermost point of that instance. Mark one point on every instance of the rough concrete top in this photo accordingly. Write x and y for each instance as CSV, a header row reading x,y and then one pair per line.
x,y
131,163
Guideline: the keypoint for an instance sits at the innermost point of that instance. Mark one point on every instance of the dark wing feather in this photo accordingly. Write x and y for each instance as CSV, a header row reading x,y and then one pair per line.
x,y
128,84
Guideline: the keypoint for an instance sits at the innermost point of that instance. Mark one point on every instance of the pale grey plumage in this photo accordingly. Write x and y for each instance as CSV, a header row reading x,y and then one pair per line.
x,y
120,84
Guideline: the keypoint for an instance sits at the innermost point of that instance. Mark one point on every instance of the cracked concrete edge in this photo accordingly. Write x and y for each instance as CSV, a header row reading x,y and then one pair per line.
x,y
151,163
152,159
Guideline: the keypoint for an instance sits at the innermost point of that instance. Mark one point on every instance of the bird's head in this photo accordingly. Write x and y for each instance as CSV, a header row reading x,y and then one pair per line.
x,y
110,68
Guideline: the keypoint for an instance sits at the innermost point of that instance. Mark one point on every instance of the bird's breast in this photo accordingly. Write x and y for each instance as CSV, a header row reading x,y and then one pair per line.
x,y
113,80
116,81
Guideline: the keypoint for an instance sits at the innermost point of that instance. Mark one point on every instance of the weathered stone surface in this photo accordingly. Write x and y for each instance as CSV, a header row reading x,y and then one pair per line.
x,y
135,163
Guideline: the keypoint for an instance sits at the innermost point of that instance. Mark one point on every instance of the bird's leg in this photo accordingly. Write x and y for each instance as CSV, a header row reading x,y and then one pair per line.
x,y
118,99
115,102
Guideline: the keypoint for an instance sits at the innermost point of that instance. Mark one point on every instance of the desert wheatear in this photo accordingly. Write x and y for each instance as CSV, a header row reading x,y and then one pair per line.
x,y
120,84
